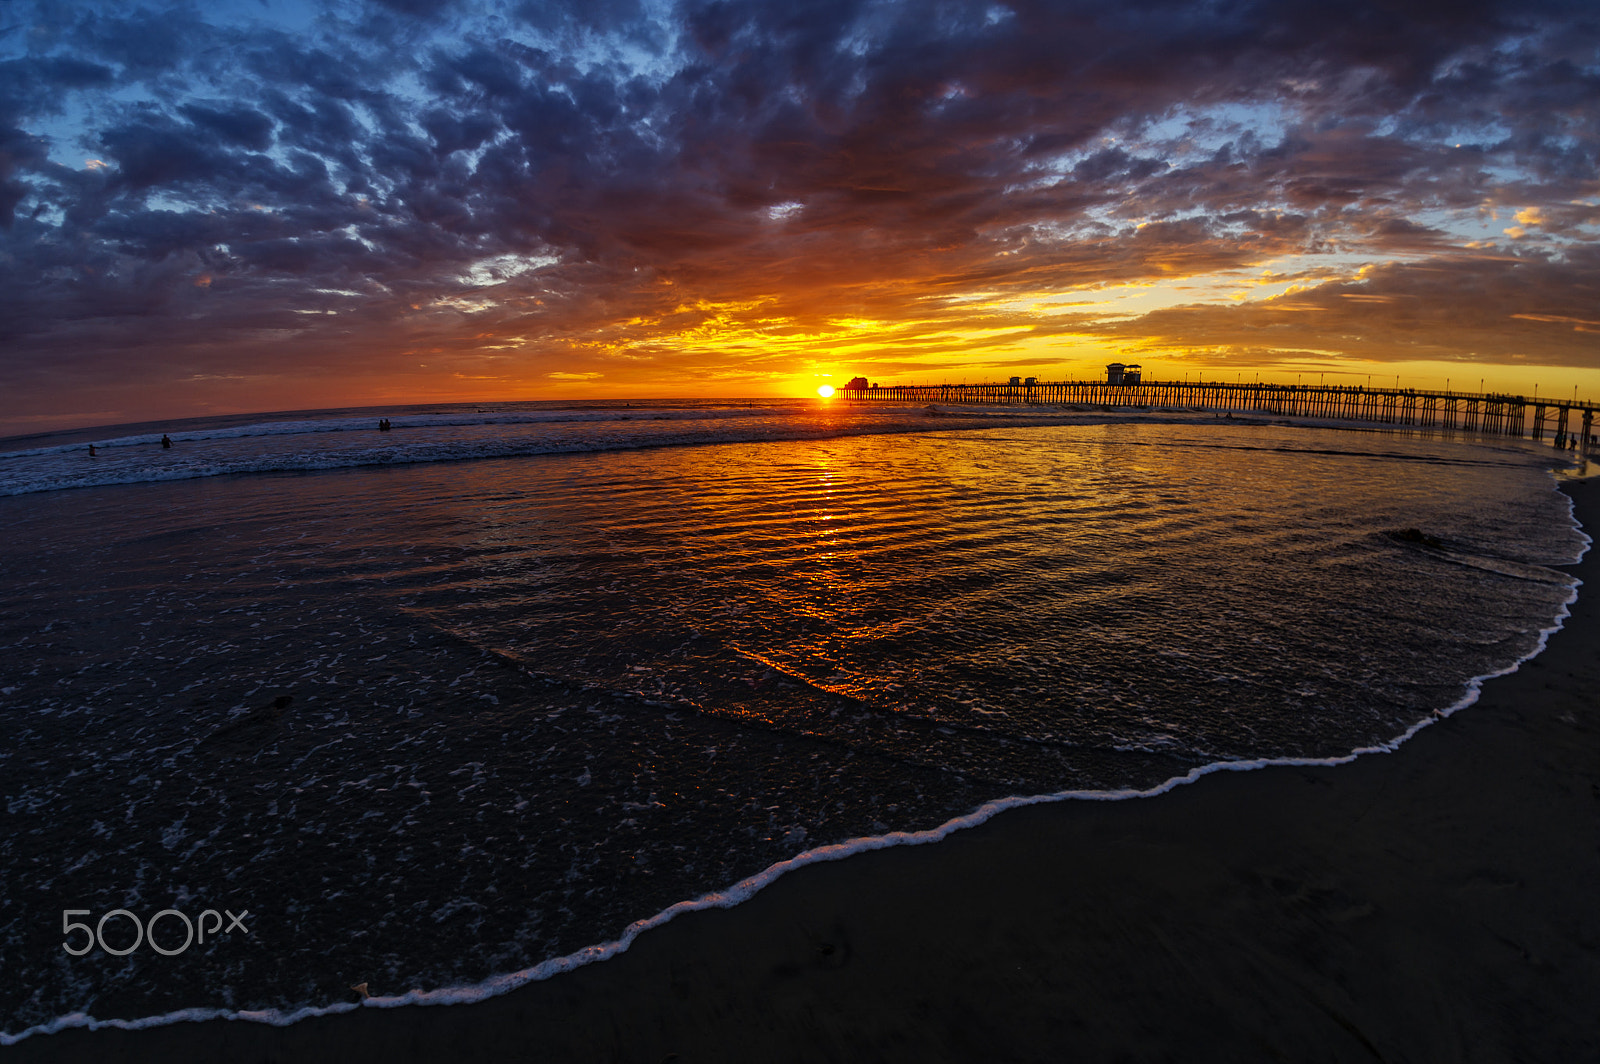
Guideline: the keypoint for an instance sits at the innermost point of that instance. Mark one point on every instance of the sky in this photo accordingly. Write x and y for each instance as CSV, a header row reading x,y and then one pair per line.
x,y
296,204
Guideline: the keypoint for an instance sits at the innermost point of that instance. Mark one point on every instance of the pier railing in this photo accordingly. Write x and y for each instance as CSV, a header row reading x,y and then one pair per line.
x,y
1566,423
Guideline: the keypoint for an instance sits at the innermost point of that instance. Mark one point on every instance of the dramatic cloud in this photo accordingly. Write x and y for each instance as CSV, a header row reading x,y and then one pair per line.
x,y
284,204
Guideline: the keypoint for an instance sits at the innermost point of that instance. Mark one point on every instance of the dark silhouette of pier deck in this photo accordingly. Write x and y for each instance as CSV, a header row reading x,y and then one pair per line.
x,y
1565,423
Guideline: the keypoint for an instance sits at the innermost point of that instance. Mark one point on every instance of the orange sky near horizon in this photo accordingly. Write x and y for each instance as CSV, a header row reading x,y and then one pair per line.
x,y
294,206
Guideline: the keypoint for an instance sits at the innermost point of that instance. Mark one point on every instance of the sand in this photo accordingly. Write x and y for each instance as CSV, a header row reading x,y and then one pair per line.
x,y
1441,903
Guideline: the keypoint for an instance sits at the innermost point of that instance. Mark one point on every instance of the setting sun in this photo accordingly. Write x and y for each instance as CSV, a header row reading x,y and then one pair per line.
x,y
405,400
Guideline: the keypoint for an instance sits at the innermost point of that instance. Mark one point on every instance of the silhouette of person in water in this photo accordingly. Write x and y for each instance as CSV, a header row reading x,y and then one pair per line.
x,y
383,424
166,441
91,450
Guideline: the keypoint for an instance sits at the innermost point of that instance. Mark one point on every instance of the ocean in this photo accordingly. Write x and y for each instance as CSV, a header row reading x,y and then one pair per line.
x,y
296,705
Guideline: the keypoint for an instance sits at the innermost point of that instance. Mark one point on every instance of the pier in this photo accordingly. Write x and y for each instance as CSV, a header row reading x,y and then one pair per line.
x,y
1563,422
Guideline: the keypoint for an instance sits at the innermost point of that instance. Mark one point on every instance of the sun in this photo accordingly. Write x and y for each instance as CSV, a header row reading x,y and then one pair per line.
x,y
826,391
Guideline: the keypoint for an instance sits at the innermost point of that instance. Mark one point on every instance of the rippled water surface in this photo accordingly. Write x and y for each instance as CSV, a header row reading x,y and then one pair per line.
x,y
435,721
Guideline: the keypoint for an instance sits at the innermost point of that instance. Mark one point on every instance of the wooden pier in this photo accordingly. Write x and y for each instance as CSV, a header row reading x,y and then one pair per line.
x,y
1565,423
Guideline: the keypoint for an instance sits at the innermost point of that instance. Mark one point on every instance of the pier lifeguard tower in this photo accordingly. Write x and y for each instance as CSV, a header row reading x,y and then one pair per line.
x,y
1117,373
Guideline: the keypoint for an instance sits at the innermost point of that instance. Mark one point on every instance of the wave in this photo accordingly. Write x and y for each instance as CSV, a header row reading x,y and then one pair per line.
x,y
348,442
366,424
306,445
747,888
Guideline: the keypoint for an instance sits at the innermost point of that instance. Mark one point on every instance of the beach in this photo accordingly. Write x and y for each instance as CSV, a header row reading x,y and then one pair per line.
x,y
1434,903
722,531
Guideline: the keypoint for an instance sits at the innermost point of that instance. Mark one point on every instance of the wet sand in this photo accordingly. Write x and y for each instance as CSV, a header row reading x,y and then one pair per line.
x,y
1441,903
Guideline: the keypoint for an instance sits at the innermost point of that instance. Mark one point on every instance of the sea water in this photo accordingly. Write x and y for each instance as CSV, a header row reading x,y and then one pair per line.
x,y
453,706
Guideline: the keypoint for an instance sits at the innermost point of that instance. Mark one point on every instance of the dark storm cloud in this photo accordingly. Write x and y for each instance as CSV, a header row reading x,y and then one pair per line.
x,y
411,173
35,85
243,127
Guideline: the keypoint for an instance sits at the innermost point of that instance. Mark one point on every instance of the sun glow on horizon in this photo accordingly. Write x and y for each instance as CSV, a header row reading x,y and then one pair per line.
x,y
825,390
